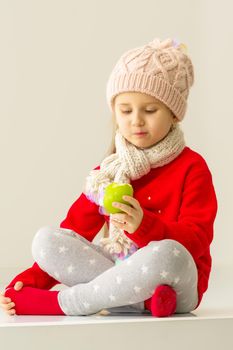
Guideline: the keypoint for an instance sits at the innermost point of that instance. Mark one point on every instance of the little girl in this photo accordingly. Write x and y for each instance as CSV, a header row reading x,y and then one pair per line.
x,y
156,256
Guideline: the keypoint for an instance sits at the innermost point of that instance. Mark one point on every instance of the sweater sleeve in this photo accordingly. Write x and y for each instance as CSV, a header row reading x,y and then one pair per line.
x,y
84,218
34,277
194,227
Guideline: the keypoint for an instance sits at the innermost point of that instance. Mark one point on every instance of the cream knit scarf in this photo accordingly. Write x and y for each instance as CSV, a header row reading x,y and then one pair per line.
x,y
129,163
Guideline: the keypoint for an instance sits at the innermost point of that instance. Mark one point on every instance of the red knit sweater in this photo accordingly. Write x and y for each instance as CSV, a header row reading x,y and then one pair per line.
x,y
178,201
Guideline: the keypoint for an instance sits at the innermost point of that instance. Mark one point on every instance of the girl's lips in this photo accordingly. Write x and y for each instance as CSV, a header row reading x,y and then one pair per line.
x,y
140,133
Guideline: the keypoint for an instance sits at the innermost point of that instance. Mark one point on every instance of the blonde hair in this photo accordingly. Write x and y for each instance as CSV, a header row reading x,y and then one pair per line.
x,y
111,149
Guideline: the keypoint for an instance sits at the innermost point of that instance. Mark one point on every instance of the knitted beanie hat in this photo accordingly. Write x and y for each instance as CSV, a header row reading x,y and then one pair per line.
x,y
160,68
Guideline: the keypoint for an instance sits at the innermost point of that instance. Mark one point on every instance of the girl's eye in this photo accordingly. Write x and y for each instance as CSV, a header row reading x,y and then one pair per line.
x,y
146,111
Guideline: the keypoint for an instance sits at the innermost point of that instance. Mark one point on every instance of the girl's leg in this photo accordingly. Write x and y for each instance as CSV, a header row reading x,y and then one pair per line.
x,y
135,279
71,259
130,283
67,256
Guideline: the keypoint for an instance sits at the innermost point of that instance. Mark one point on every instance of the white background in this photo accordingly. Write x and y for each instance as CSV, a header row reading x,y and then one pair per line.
x,y
55,59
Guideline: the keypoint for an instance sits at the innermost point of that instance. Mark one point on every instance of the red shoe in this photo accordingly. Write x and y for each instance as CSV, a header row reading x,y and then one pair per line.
x,y
163,301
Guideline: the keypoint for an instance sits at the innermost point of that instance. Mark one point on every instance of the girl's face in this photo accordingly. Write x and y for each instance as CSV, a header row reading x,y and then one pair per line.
x,y
136,112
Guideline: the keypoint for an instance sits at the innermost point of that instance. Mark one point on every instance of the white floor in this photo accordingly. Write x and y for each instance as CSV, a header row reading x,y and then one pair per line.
x,y
215,313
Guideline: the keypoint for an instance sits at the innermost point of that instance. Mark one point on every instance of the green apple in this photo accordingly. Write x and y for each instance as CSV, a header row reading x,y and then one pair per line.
x,y
114,193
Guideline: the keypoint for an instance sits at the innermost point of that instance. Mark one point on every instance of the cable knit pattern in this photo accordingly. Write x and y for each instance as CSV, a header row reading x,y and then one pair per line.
x,y
129,163
160,68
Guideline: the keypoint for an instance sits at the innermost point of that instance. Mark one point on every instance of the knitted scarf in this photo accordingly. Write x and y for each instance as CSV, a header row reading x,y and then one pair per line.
x,y
129,163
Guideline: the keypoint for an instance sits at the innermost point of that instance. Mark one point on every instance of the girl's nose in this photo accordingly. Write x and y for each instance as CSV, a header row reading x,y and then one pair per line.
x,y
138,120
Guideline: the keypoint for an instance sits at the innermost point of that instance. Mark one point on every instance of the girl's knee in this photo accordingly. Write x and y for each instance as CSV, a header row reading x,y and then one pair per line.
x,y
43,239
171,252
168,246
166,243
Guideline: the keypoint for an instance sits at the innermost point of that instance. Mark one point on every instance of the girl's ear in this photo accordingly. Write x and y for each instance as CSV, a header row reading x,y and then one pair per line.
x,y
173,115
175,119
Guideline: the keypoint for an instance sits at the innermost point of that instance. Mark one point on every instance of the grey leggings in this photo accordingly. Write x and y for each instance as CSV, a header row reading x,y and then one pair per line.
x,y
95,282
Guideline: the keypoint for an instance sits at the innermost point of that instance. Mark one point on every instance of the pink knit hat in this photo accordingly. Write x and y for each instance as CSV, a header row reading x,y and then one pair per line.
x,y
160,68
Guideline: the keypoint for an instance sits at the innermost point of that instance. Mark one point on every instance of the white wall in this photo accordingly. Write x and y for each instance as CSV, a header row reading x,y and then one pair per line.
x,y
55,59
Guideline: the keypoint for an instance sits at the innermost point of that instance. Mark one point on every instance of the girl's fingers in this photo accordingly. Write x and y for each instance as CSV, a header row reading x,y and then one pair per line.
x,y
133,201
124,207
11,305
5,300
118,217
130,208
8,306
118,223
121,219
11,312
18,284
1,296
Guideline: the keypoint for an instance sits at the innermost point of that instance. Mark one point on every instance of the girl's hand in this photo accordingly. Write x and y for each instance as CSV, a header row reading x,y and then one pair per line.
x,y
5,302
18,285
132,218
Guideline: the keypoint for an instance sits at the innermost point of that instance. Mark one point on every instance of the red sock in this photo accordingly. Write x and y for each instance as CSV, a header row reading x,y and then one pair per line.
x,y
34,301
163,301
